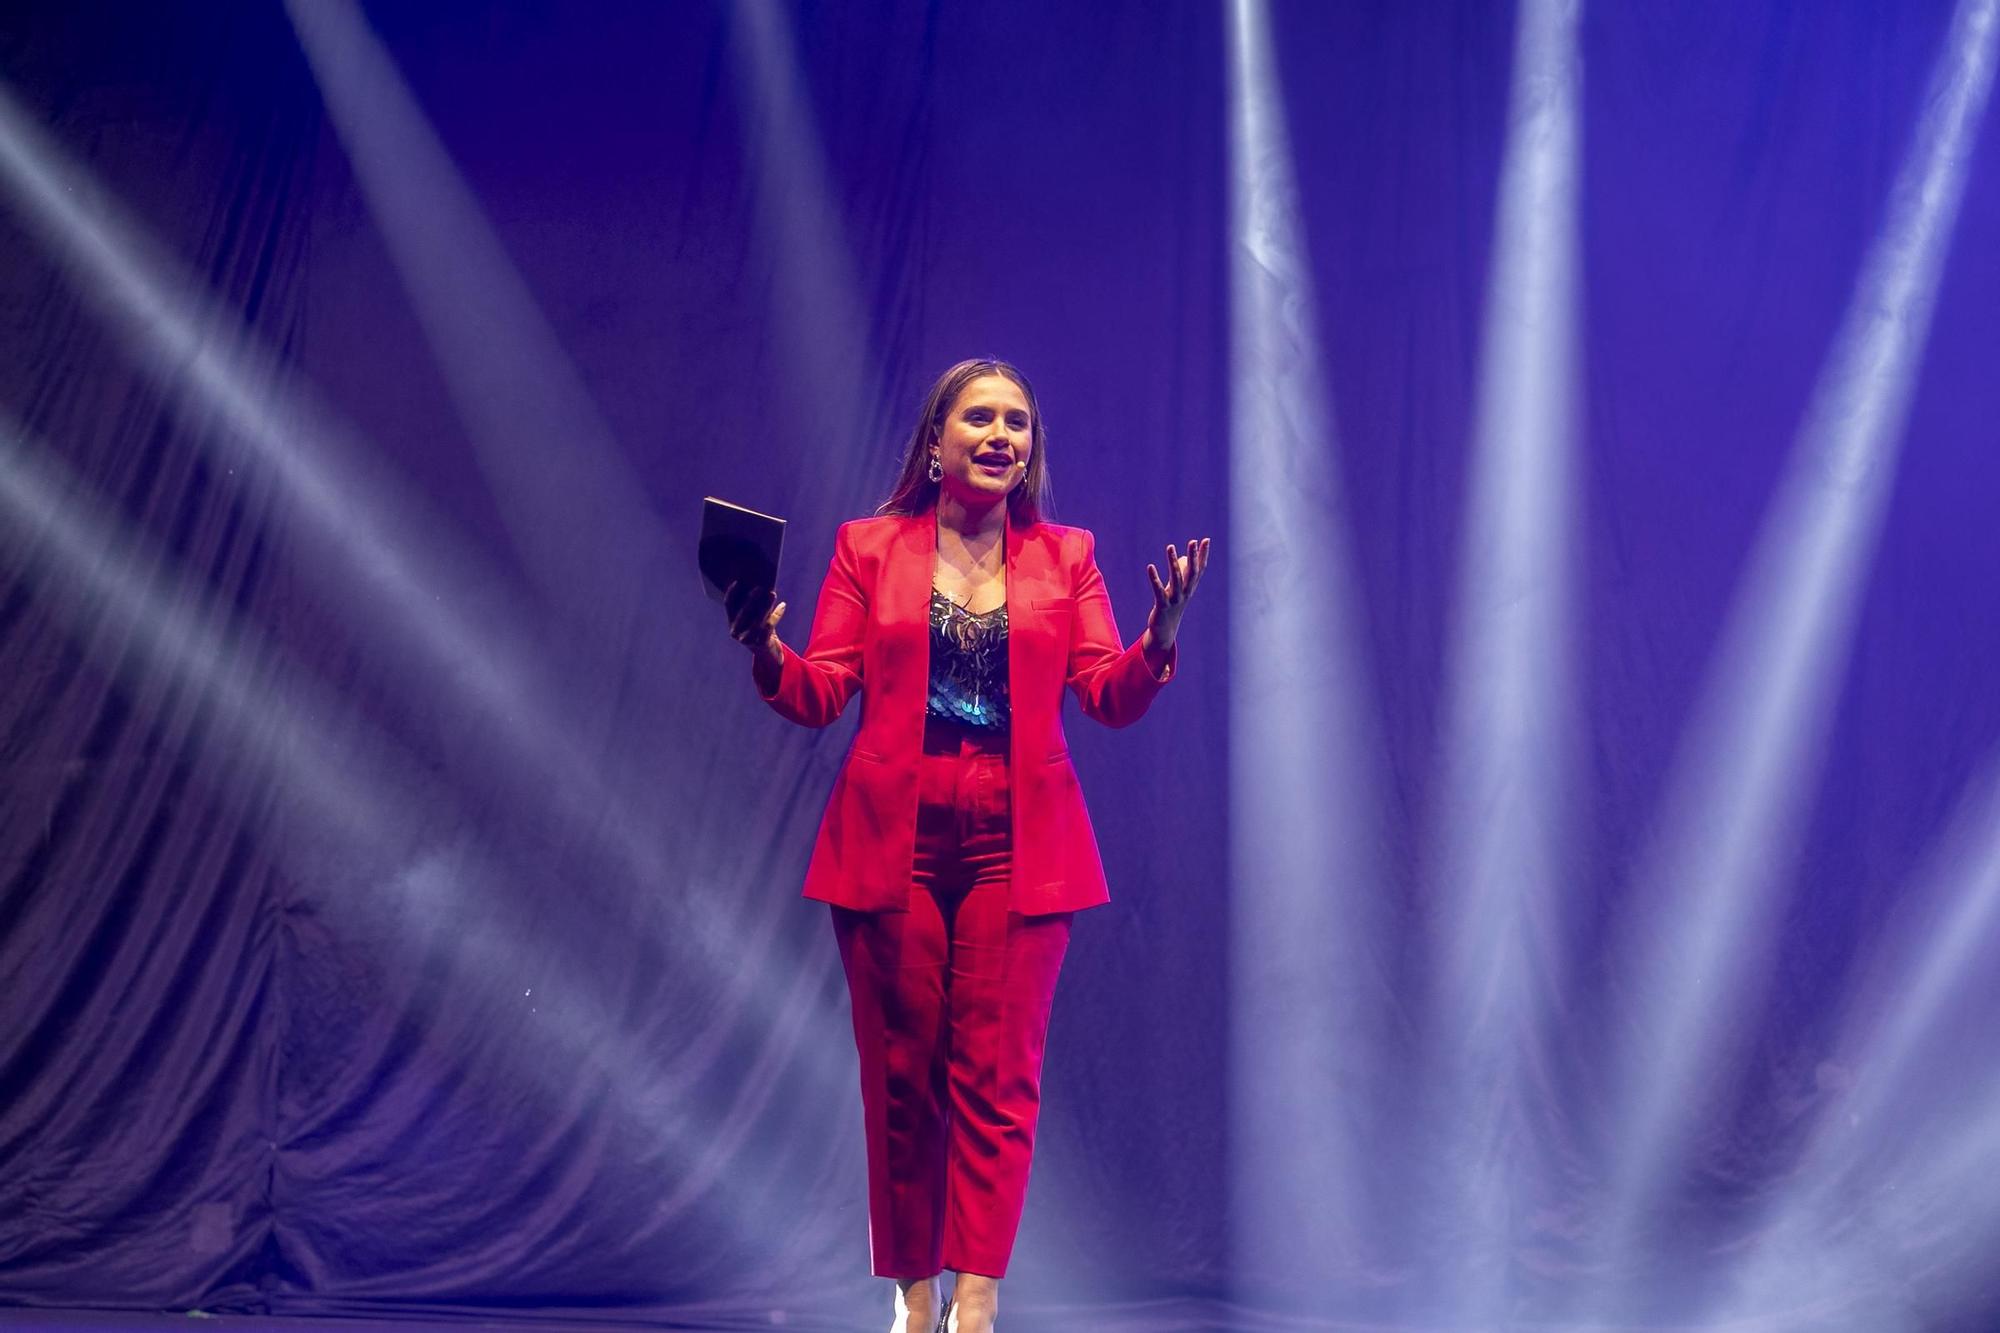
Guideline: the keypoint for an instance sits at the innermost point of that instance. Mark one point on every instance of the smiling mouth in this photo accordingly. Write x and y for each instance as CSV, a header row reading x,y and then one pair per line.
x,y
993,461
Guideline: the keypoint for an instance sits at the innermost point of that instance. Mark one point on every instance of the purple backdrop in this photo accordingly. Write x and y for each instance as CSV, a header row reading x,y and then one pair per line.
x,y
397,870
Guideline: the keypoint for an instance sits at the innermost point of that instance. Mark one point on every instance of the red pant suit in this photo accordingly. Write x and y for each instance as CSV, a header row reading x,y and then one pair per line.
x,y
936,1199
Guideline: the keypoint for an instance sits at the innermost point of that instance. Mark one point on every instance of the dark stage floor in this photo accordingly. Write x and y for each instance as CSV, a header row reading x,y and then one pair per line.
x,y
1175,1316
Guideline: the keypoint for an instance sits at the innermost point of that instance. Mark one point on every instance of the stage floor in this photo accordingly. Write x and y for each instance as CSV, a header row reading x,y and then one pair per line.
x,y
1184,1315
1177,1316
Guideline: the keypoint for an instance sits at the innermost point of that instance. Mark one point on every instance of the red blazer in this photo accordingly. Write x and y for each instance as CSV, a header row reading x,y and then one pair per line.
x,y
872,629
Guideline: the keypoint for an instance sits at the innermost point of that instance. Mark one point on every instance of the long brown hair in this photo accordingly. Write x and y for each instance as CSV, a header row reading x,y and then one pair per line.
x,y
915,492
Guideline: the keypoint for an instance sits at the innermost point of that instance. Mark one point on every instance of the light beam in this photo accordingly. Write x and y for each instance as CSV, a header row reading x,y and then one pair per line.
x,y
1310,985
1509,738
1881,1141
407,576
1710,876
351,787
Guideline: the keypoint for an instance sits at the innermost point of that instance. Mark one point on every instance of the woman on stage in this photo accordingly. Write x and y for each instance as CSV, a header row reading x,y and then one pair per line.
x,y
955,846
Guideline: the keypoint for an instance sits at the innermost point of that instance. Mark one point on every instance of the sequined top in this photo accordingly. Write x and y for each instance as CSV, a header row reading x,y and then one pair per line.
x,y
968,665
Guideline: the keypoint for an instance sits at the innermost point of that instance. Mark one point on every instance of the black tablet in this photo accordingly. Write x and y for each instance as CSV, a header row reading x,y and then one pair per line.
x,y
738,545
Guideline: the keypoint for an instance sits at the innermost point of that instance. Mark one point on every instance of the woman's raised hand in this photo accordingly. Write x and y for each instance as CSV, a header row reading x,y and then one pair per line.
x,y
753,620
1170,598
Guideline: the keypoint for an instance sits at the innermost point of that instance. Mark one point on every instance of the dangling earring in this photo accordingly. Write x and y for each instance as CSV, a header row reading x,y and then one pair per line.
x,y
937,468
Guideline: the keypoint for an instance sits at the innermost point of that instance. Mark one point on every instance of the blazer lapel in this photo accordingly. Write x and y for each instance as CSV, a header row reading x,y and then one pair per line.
x,y
906,576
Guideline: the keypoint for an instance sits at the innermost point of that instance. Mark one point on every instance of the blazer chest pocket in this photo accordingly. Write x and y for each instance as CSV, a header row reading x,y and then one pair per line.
x,y
1051,619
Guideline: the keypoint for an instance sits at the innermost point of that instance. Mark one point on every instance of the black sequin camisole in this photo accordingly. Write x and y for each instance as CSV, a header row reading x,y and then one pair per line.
x,y
968,665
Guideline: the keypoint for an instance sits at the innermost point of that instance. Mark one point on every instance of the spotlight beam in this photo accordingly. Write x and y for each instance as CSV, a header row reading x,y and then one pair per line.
x,y
574,509
406,576
1507,759
1892,1051
1311,996
121,601
825,333
358,523
1850,1231
1916,983
1708,881
352,788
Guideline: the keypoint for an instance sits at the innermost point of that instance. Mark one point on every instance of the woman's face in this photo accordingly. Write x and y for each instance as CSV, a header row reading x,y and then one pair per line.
x,y
984,442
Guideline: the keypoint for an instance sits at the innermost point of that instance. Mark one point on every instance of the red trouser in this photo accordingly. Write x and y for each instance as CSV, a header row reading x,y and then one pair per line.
x,y
951,1006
